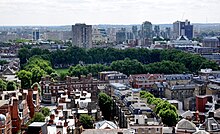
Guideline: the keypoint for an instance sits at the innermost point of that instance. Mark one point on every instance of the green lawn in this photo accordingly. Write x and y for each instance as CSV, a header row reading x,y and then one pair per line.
x,y
64,70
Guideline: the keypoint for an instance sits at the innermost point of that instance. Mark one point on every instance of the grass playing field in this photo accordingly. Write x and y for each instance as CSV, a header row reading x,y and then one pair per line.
x,y
64,70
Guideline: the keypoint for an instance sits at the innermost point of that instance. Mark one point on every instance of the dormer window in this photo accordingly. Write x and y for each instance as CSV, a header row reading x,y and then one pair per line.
x,y
214,126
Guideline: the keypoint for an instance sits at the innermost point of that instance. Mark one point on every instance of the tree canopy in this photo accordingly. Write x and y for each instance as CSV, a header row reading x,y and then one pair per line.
x,y
105,104
34,69
2,62
11,86
45,111
166,67
3,85
128,66
25,77
38,117
75,55
86,121
164,109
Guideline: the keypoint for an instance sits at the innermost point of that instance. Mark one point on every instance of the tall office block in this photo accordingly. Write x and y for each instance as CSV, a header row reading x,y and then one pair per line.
x,y
167,32
121,36
156,30
146,33
135,31
146,29
36,34
182,28
189,31
82,35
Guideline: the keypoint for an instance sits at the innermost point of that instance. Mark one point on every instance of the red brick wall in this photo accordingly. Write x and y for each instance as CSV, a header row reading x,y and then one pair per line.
x,y
16,122
200,103
30,102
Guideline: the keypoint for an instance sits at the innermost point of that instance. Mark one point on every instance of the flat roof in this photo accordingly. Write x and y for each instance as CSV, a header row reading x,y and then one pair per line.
x,y
118,85
37,124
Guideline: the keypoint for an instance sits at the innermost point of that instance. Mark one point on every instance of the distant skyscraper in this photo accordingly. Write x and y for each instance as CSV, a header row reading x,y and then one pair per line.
x,y
82,35
157,30
129,36
36,34
121,36
111,33
135,31
182,28
146,33
167,32
146,29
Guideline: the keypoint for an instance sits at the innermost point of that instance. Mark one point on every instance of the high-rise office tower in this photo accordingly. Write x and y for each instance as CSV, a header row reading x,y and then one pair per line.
x,y
167,32
121,36
157,30
36,34
82,35
146,29
146,34
135,31
182,28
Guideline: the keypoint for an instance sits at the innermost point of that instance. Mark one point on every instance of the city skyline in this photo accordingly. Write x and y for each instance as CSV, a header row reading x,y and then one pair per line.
x,y
68,12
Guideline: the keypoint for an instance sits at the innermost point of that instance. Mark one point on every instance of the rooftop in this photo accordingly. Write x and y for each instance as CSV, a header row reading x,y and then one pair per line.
x,y
178,76
37,124
3,102
183,87
118,85
105,124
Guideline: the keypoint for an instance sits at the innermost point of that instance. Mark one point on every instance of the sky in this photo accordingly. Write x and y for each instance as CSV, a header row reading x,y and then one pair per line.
x,y
68,12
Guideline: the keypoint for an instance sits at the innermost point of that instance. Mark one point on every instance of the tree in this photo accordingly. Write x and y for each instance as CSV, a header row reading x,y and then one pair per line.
x,y
11,86
25,77
38,68
105,104
86,121
96,68
37,61
38,87
24,55
63,75
45,111
54,75
37,73
127,66
169,117
164,109
2,85
166,67
128,61
78,70
2,62
38,117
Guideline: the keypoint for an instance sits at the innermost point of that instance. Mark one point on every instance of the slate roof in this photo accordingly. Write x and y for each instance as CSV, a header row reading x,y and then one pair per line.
x,y
208,125
146,76
187,114
178,76
109,124
183,87
186,126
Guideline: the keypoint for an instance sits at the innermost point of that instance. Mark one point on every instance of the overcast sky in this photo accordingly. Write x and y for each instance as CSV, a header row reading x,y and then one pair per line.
x,y
68,12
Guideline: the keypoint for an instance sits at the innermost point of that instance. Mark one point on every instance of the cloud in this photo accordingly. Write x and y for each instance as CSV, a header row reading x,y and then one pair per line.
x,y
50,12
